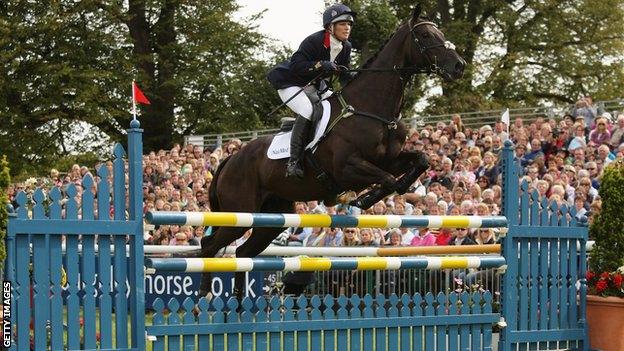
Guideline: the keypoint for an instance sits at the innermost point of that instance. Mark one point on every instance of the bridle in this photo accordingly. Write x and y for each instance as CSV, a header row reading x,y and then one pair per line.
x,y
423,48
404,72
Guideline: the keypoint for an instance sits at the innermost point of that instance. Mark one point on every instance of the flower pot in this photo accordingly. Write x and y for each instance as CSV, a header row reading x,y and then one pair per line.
x,y
605,322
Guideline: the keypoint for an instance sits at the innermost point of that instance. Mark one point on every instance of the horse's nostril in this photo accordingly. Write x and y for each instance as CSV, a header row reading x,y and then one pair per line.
x,y
459,67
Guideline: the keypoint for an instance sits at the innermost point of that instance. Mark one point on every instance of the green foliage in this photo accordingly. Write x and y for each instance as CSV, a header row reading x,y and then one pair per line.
x,y
67,67
608,227
5,179
518,54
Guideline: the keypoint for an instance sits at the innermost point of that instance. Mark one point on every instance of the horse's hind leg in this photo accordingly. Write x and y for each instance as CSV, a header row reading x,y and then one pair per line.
x,y
210,246
259,240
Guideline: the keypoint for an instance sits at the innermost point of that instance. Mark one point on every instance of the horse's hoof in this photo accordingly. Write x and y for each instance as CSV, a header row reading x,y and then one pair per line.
x,y
355,203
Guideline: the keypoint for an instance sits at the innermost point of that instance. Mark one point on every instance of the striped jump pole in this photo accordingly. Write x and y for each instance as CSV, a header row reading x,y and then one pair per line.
x,y
371,251
283,220
312,264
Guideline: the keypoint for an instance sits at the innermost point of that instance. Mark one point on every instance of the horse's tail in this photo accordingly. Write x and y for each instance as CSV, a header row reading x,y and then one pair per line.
x,y
212,190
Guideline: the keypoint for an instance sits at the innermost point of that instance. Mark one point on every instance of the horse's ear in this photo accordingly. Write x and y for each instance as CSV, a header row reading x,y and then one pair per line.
x,y
416,13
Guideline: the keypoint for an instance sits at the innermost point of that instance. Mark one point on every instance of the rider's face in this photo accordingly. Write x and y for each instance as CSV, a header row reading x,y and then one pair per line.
x,y
342,30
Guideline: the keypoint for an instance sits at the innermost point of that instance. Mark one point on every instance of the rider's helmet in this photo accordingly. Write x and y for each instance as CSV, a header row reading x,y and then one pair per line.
x,y
336,13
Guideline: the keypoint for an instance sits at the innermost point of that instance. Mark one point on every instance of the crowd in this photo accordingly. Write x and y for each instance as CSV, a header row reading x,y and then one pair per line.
x,y
562,159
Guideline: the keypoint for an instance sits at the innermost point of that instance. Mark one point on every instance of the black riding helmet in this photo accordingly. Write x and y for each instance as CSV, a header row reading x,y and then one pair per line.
x,y
336,13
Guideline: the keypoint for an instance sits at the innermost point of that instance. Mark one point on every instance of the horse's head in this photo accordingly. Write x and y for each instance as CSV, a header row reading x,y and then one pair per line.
x,y
429,50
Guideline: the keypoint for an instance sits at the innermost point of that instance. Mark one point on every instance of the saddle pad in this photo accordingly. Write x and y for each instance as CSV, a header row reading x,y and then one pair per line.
x,y
280,146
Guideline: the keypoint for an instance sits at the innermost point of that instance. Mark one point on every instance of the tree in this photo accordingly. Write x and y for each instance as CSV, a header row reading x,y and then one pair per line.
x,y
67,62
518,52
5,180
607,229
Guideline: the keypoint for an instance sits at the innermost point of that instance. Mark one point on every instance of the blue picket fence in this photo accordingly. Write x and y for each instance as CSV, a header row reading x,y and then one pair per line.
x,y
79,299
446,321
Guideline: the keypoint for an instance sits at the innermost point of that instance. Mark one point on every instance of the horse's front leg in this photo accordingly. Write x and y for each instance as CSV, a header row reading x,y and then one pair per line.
x,y
358,172
411,164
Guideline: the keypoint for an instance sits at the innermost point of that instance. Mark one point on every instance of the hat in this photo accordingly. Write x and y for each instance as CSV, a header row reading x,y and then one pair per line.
x,y
344,17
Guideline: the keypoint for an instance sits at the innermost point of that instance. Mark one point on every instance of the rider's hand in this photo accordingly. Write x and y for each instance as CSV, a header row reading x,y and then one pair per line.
x,y
328,66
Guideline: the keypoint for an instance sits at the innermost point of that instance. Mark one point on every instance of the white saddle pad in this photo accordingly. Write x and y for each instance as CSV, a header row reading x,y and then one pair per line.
x,y
280,146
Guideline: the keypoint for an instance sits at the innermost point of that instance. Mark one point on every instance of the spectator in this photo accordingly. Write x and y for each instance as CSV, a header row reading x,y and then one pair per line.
x,y
316,237
198,234
582,108
333,237
617,134
484,236
536,150
351,237
489,168
604,155
456,123
366,237
297,235
395,238
443,236
461,237
600,135
424,238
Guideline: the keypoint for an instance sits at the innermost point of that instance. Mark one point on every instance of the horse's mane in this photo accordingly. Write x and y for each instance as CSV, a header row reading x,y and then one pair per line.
x,y
371,59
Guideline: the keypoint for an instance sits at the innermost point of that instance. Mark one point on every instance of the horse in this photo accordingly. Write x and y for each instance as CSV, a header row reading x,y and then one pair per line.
x,y
360,151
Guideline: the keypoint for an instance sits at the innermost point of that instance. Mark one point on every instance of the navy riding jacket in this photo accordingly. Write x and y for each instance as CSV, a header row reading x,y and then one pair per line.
x,y
304,63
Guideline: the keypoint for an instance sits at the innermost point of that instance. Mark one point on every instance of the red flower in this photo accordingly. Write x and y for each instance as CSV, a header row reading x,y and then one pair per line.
x,y
601,285
617,280
590,275
604,275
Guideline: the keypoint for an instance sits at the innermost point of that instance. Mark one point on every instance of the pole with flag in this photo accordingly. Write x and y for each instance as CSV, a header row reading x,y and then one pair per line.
x,y
505,119
137,97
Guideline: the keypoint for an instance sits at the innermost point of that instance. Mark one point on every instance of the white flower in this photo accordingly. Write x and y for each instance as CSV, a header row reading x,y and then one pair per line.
x,y
30,182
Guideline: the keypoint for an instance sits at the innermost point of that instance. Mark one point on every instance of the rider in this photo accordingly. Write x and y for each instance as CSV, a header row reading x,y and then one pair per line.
x,y
321,53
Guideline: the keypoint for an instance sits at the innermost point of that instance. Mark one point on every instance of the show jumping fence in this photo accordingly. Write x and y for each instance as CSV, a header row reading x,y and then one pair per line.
x,y
66,298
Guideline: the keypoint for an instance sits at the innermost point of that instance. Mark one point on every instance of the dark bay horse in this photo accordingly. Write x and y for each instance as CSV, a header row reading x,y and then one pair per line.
x,y
362,150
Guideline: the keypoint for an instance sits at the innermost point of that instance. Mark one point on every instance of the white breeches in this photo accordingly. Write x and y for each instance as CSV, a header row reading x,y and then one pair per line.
x,y
300,104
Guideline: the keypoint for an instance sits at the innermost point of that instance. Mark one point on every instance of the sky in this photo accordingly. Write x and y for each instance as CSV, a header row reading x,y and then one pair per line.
x,y
287,21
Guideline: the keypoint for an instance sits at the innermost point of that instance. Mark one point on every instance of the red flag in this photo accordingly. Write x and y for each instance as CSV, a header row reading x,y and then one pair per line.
x,y
138,95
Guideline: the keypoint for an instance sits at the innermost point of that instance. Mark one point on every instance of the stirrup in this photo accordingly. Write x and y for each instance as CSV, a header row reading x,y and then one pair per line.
x,y
294,169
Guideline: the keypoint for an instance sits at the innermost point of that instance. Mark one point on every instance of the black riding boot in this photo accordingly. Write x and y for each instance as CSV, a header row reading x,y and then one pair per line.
x,y
294,167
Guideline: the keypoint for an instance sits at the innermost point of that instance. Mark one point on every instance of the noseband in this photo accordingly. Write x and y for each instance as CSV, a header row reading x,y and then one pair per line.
x,y
433,62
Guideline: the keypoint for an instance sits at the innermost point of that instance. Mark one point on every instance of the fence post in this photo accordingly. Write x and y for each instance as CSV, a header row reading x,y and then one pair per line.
x,y
135,189
510,200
